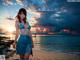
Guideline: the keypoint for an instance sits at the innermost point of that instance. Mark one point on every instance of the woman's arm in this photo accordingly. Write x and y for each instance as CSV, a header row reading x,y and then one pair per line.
x,y
17,30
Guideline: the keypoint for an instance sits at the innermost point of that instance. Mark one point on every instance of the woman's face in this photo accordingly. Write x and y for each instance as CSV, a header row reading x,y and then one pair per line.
x,y
22,16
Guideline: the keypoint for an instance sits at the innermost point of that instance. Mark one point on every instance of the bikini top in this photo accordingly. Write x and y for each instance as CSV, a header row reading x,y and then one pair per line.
x,y
21,26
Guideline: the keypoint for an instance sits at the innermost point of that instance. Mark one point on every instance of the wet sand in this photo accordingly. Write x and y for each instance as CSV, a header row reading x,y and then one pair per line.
x,y
43,55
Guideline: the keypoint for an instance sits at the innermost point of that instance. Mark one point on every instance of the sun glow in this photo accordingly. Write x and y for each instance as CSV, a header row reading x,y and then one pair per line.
x,y
11,29
8,25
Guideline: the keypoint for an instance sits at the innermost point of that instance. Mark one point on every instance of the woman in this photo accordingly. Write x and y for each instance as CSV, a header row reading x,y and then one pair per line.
x,y
23,38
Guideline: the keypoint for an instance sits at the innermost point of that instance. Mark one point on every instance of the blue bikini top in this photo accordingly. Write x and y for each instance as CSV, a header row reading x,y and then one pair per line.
x,y
21,26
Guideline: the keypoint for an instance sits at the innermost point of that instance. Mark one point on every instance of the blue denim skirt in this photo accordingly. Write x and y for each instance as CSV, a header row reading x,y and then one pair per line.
x,y
24,45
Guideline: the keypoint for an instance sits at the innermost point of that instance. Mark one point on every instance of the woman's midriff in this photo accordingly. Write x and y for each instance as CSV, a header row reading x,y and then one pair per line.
x,y
24,32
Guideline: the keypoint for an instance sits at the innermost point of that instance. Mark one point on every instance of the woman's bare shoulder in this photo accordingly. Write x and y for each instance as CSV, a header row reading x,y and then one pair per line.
x,y
16,19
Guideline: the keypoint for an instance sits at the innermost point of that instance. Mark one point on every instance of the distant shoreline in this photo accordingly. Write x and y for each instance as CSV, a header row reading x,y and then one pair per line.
x,y
34,35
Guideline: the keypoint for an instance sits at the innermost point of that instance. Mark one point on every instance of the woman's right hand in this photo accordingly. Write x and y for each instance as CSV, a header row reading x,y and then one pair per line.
x,y
14,45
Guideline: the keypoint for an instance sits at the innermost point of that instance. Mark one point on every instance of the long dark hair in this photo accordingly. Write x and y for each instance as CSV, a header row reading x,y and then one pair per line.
x,y
24,12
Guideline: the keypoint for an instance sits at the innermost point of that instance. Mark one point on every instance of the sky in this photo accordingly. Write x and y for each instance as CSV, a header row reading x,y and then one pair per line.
x,y
56,13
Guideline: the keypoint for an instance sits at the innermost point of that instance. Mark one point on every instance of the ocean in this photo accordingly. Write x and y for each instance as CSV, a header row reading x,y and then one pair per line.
x,y
58,43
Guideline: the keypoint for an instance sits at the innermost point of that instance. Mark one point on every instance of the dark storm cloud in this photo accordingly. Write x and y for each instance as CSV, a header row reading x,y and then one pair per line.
x,y
69,18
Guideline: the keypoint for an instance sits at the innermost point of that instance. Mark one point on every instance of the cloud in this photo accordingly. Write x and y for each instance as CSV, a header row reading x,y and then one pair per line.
x,y
20,2
11,2
35,4
9,18
7,2
39,5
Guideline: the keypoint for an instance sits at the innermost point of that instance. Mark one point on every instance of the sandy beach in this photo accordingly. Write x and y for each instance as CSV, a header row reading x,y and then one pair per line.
x,y
39,54
43,55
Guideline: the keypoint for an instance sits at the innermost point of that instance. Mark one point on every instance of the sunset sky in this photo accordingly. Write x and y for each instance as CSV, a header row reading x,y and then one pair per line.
x,y
59,14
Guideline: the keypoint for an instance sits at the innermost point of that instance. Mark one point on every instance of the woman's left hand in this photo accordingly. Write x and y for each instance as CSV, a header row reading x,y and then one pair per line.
x,y
14,45
32,45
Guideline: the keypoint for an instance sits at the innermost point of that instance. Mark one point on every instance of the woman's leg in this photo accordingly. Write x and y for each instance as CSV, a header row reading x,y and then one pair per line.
x,y
26,57
22,57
